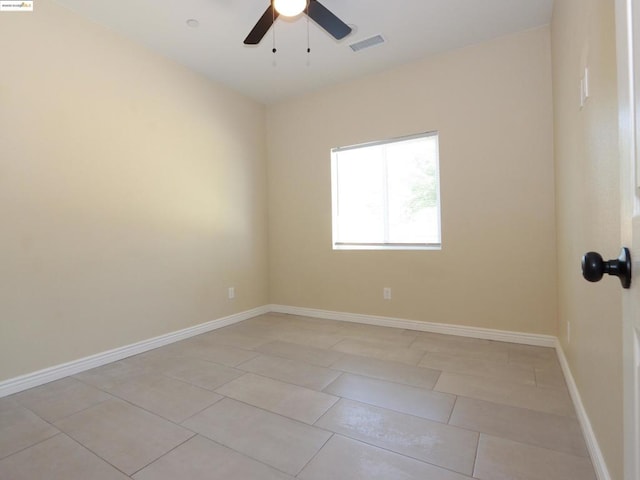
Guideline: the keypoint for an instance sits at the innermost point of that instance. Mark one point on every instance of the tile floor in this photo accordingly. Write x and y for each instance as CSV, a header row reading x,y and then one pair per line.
x,y
281,396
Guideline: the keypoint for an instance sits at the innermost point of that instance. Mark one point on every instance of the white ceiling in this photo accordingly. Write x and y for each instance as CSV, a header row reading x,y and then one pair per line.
x,y
413,29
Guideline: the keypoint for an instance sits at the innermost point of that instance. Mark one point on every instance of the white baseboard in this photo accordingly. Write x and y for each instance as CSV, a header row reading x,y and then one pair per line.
x,y
35,379
599,464
459,330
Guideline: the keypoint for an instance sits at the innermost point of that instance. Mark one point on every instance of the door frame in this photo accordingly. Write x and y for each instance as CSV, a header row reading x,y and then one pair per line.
x,y
628,62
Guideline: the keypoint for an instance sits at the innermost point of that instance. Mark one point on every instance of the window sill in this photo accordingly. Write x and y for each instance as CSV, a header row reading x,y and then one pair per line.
x,y
387,246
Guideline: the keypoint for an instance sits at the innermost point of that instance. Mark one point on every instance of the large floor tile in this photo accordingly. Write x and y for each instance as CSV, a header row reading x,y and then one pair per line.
x,y
172,399
500,459
344,458
479,367
285,399
20,428
203,349
361,331
384,370
290,371
507,393
264,326
233,339
300,330
381,350
462,346
265,331
315,356
112,374
521,425
388,337
319,325
60,399
448,447
550,377
202,459
270,438
58,458
201,373
124,435
529,355
271,320
312,338
401,398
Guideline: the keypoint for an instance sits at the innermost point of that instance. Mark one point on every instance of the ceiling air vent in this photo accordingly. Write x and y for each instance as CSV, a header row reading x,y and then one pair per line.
x,y
367,43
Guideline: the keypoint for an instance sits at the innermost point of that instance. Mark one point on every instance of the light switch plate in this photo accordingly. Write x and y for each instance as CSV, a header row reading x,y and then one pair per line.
x,y
584,88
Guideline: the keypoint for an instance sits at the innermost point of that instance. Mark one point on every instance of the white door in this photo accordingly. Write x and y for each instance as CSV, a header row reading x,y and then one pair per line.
x,y
628,51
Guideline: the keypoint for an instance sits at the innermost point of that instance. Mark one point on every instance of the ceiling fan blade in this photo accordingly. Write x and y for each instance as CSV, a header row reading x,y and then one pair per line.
x,y
327,20
262,27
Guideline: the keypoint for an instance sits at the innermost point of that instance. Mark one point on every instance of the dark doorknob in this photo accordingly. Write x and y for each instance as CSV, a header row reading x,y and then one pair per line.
x,y
593,267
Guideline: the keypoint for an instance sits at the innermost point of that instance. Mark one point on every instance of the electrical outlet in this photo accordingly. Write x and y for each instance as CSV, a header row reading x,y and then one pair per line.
x,y
232,293
386,293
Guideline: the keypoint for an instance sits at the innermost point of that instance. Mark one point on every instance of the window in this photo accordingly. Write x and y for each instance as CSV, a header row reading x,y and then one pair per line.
x,y
386,195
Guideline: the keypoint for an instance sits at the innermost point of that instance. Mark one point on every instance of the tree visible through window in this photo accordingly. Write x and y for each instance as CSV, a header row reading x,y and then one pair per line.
x,y
386,195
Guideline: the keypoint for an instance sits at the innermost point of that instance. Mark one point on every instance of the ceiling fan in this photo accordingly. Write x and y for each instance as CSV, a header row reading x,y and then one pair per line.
x,y
291,8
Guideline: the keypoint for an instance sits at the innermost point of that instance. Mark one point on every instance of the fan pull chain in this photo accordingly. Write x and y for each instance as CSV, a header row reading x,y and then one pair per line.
x,y
274,49
308,39
273,22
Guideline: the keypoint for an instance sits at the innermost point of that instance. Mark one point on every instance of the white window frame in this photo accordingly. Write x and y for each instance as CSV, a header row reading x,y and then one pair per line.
x,y
386,245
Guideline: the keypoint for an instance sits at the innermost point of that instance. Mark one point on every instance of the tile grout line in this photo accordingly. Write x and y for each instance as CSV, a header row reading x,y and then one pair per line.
x,y
388,450
392,410
53,423
96,454
145,409
202,435
453,407
313,425
538,447
59,432
180,424
163,455
333,434
475,459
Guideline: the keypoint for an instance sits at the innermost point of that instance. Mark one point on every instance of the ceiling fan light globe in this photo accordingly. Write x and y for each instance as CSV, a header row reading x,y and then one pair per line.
x,y
290,8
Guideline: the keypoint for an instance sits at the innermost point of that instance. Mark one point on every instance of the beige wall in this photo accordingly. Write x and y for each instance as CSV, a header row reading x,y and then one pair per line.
x,y
492,106
132,193
588,211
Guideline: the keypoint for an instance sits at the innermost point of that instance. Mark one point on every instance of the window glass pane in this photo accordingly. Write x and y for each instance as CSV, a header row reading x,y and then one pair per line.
x,y
360,196
386,194
413,191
